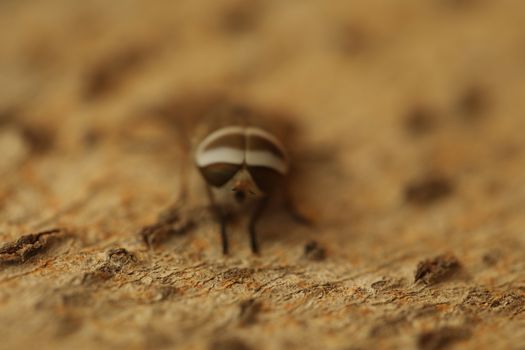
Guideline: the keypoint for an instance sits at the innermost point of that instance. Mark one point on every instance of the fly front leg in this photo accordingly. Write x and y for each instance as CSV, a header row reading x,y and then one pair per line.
x,y
222,218
256,215
224,235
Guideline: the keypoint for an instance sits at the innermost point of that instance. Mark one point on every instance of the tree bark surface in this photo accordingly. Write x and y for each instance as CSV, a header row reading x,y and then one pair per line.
x,y
410,164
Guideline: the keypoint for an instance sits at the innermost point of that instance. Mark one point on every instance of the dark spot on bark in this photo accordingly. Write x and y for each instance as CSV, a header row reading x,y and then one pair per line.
x,y
120,256
166,293
352,39
28,246
38,135
238,275
241,17
472,103
437,269
428,190
425,310
379,285
507,302
109,73
8,115
491,258
441,338
228,344
511,302
387,284
314,251
421,121
40,138
509,151
322,290
116,261
477,299
458,4
169,223
68,325
102,273
92,137
249,311
76,299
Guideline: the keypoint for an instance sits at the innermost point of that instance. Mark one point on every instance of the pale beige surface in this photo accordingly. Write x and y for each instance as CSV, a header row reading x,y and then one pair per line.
x,y
81,150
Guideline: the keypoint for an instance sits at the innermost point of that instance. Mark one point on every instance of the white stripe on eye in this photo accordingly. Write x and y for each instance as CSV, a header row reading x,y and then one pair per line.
x,y
220,155
214,136
266,159
251,131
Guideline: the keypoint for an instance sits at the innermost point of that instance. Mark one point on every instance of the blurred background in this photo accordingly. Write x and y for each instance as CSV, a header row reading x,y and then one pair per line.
x,y
412,125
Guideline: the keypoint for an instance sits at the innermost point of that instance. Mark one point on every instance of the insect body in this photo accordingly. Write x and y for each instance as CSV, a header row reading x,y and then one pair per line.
x,y
242,166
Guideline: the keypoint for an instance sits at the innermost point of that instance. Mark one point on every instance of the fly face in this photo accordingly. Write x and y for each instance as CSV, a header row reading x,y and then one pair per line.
x,y
248,162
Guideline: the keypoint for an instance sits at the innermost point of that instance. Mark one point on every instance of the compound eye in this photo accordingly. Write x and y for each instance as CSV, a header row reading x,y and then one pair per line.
x,y
266,159
219,174
265,178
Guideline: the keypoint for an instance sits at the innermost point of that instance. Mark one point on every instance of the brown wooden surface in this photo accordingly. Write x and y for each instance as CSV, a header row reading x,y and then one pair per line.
x,y
412,152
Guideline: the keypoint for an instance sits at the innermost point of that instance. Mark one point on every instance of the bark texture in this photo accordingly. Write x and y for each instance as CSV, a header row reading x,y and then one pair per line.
x,y
411,161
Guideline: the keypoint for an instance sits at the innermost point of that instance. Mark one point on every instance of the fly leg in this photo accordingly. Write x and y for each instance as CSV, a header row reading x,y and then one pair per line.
x,y
256,215
224,235
222,218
